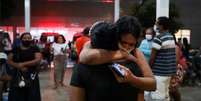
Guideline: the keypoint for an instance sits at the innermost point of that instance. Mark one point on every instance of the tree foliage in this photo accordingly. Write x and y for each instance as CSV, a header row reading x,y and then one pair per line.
x,y
146,13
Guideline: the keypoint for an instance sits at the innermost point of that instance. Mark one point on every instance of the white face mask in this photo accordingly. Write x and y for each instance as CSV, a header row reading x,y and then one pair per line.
x,y
148,37
128,51
156,29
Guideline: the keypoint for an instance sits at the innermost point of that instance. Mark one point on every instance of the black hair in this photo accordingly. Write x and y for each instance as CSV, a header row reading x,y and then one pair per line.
x,y
86,31
104,36
128,24
164,21
185,41
23,34
56,39
43,38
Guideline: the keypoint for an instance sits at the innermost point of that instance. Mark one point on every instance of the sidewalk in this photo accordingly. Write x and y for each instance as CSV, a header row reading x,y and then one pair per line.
x,y
50,94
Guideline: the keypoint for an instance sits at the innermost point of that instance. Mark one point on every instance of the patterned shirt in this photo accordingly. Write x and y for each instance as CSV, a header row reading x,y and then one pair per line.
x,y
165,61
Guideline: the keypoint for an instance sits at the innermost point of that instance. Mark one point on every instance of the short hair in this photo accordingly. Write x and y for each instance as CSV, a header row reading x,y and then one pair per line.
x,y
56,39
164,21
23,34
104,36
128,24
86,31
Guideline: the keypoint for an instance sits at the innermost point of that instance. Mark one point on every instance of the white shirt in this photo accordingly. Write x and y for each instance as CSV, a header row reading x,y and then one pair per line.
x,y
57,48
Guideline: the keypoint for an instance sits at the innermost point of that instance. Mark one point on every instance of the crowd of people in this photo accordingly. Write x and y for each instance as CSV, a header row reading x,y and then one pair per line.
x,y
148,70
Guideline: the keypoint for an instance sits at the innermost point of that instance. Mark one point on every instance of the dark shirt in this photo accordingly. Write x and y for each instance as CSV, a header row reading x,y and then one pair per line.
x,y
101,85
20,55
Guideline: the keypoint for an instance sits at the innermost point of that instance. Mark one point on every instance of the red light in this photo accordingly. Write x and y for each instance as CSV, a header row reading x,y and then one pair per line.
x,y
107,1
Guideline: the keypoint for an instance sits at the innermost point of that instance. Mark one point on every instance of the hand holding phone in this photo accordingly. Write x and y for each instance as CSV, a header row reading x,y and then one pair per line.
x,y
117,69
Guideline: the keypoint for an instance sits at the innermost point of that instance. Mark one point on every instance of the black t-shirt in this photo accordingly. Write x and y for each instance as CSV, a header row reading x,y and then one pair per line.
x,y
101,85
21,55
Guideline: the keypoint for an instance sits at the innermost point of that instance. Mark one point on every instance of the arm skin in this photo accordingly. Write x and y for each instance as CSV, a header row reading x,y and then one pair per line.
x,y
97,56
141,96
153,56
77,94
26,64
147,82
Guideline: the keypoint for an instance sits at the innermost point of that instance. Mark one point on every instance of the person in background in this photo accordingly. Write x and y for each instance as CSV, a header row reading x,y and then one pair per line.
x,y
59,48
145,45
163,59
25,60
186,48
177,79
45,50
79,43
4,68
7,42
16,42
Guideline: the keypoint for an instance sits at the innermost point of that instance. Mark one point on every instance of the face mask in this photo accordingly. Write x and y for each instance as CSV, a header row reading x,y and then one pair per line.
x,y
148,37
128,51
156,29
26,43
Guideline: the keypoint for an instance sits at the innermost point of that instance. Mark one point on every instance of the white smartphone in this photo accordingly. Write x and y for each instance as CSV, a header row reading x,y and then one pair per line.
x,y
115,67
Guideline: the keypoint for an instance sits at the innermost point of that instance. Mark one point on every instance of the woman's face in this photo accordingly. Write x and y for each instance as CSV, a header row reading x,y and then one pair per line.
x,y
149,32
128,42
27,37
60,39
26,40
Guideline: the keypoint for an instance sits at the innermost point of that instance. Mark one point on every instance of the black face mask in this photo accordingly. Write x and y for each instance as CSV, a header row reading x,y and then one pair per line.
x,y
26,43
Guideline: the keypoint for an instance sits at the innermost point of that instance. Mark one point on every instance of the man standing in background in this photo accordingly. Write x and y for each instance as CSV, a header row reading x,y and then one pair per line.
x,y
163,59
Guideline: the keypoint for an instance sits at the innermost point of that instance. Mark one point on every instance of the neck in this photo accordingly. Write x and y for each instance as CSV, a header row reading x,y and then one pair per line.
x,y
23,47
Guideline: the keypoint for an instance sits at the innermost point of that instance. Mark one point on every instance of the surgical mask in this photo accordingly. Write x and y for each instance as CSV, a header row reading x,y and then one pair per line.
x,y
156,29
26,43
148,37
128,51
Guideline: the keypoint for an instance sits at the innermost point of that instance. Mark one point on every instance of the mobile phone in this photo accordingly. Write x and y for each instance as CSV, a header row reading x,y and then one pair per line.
x,y
116,68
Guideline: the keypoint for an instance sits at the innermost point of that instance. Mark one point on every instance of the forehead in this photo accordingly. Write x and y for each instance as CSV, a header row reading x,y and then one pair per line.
x,y
26,36
128,38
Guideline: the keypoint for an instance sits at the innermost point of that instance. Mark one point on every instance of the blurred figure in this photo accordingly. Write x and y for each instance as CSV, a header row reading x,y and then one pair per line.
x,y
45,50
146,47
177,79
4,68
79,43
60,57
186,48
7,43
163,59
25,59
146,44
17,41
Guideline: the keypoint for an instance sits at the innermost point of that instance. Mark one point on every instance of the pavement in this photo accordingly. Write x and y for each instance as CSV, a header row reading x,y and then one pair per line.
x,y
63,93
48,93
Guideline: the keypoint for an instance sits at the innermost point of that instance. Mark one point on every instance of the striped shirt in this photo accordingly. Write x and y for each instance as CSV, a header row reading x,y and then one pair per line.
x,y
165,61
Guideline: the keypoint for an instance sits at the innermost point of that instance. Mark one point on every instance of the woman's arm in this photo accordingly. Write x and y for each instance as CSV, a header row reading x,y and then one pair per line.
x,y
147,82
99,56
12,63
153,56
35,61
140,96
77,94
